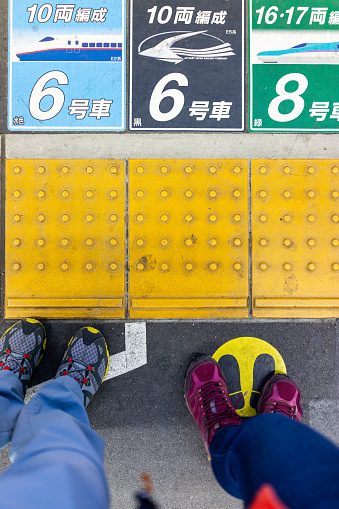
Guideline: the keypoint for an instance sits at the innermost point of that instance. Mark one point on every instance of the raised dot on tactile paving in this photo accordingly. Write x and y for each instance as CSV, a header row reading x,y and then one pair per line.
x,y
65,266
65,170
113,241
89,170
311,170
237,242
17,194
41,193
213,266
335,170
237,266
65,218
335,218
17,218
335,194
41,170
262,193
65,242
188,170
164,170
262,170
236,170
140,242
188,218
140,193
89,218
310,194
41,242
113,170
89,193
139,218
311,242
140,170
189,266
89,242
262,266
89,266
113,218
237,218
287,194
212,170
164,218
335,242
113,266
188,193
287,170
213,218
236,193
311,218
164,242
16,266
41,218
287,218
140,266
287,266
262,242
287,242
335,266
213,242
188,242
17,170
41,266
17,242
164,267
311,266
164,193
263,218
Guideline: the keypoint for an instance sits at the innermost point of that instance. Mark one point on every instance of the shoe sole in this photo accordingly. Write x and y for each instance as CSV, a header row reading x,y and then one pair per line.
x,y
263,370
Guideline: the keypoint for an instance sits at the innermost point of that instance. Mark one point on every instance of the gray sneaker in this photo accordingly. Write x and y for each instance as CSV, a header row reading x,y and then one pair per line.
x,y
21,349
86,360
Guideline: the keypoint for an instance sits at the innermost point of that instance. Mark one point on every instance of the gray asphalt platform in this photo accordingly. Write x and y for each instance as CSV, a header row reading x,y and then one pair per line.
x,y
142,415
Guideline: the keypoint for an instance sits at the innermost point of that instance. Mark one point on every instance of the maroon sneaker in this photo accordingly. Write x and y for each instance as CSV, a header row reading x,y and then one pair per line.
x,y
208,400
281,395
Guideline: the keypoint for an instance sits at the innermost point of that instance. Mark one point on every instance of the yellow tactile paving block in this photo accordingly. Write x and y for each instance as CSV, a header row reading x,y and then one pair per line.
x,y
65,238
188,238
295,229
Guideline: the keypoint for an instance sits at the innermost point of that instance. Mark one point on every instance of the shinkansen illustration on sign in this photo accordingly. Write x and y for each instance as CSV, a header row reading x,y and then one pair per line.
x,y
304,53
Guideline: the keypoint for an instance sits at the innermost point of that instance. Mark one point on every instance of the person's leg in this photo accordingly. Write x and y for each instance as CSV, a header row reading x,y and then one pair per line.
x,y
57,457
301,465
21,348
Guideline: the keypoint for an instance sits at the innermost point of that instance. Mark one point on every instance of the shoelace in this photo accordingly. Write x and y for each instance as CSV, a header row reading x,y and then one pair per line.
x,y
225,412
10,357
83,372
281,407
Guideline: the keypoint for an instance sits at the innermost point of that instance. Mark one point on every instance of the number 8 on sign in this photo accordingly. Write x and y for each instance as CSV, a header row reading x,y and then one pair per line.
x,y
283,95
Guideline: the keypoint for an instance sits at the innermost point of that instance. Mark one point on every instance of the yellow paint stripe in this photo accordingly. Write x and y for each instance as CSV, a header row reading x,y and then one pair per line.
x,y
296,303
189,303
64,303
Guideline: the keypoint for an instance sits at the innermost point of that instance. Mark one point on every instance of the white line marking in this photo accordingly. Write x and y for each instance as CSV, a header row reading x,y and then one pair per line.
x,y
134,356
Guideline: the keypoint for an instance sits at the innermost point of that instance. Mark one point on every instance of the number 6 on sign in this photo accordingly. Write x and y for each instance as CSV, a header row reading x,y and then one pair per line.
x,y
283,95
159,94
39,92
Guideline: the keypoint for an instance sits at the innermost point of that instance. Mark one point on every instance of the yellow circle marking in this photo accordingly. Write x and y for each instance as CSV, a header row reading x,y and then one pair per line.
x,y
113,218
41,242
164,218
335,170
335,218
17,170
89,193
262,193
287,266
65,218
41,170
335,242
213,242
17,194
237,266
212,218
140,242
140,266
287,194
65,193
311,170
140,193
287,242
113,170
237,218
213,266
164,266
263,242
188,170
17,218
17,242
164,242
335,266
188,193
113,241
311,218
41,218
246,350
237,242
311,242
189,266
65,266
16,266
89,218
65,242
212,170
310,194
89,170
89,266
263,218
89,242
188,218
287,170
263,170
113,266
311,266
41,266
164,170
263,266
335,194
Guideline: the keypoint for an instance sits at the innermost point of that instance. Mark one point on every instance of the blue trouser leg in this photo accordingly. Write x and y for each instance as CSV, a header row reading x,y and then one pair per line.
x,y
57,457
11,404
301,465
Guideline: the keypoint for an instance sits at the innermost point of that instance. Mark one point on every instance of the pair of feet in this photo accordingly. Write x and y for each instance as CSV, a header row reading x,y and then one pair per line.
x,y
86,358
208,400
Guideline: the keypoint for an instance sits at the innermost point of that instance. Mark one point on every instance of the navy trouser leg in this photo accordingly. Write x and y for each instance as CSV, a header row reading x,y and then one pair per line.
x,y
301,465
11,404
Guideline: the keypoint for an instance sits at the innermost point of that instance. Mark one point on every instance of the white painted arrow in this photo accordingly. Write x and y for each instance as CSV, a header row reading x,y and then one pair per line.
x,y
134,356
